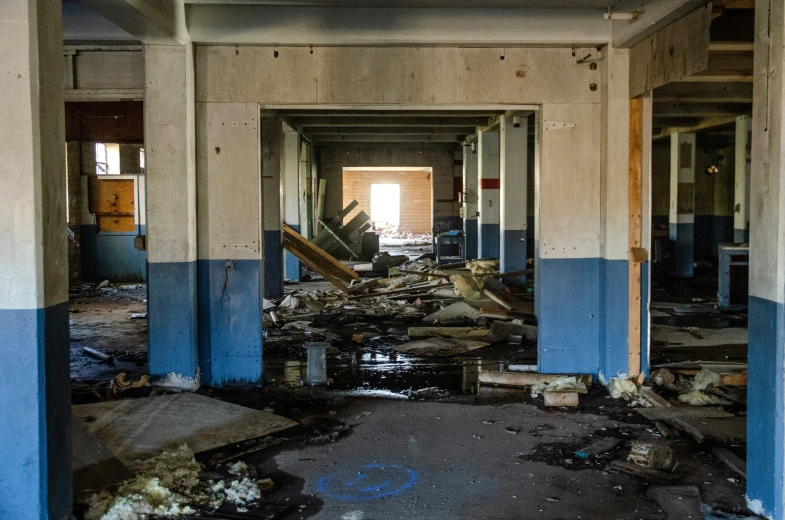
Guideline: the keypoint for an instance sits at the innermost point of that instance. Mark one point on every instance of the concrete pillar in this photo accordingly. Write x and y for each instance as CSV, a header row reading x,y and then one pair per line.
x,y
229,237
73,169
470,199
36,481
766,351
272,215
488,236
513,194
681,217
741,193
291,197
170,160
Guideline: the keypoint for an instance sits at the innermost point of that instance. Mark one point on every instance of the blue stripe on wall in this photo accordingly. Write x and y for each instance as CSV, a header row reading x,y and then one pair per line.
x,y
721,233
292,264
683,256
614,317
489,241
514,258
765,421
470,230
711,231
569,315
230,322
645,317
446,223
171,319
537,279
111,256
36,480
273,264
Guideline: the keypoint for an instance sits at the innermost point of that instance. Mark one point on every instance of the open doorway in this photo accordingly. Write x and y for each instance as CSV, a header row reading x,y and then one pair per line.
x,y
386,206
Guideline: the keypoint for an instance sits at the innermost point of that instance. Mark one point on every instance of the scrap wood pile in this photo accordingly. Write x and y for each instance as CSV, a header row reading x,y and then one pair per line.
x,y
465,305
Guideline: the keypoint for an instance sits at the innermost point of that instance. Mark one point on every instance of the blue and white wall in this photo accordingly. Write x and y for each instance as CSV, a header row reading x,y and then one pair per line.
x,y
470,200
229,243
171,215
513,194
766,351
681,218
36,479
292,197
488,162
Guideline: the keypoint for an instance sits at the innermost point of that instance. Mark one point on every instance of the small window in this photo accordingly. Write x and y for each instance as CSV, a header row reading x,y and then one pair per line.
x,y
107,159
141,158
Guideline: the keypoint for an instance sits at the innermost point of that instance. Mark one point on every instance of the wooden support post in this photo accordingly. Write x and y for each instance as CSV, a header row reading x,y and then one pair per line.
x,y
635,234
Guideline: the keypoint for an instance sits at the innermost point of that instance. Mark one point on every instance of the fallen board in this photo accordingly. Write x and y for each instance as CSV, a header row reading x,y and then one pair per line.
x,y
440,347
94,468
133,429
720,429
681,412
524,378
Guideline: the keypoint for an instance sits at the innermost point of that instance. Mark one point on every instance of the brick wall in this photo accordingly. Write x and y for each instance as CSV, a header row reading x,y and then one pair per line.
x,y
416,197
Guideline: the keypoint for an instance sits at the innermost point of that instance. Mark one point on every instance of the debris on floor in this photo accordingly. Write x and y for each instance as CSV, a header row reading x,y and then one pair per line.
x,y
172,484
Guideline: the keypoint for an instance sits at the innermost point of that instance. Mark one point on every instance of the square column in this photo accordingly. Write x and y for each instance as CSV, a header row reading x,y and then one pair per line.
x,y
741,190
513,194
229,236
470,199
272,205
36,480
488,235
681,218
291,197
169,126
766,350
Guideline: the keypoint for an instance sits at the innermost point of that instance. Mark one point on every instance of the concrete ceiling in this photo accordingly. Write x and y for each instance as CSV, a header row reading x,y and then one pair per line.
x,y
486,4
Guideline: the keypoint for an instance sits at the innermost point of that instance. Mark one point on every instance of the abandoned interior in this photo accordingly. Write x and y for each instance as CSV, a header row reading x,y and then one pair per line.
x,y
367,260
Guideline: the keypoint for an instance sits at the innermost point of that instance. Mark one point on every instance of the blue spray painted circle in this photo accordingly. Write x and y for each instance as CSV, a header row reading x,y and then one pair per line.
x,y
372,481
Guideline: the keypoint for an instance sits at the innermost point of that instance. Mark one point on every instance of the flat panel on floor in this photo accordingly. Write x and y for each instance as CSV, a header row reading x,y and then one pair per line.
x,y
140,428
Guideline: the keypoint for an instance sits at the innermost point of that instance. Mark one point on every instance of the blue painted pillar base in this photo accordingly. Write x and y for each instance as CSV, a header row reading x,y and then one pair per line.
x,y
765,406
470,230
36,480
569,315
683,257
230,322
614,316
171,320
514,257
489,241
273,264
645,317
292,263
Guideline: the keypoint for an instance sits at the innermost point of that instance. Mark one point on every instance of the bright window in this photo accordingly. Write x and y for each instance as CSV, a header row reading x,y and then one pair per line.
x,y
107,159
386,206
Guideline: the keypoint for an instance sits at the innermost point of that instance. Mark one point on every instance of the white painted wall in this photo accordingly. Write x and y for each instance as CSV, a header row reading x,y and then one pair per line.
x,y
470,184
291,179
488,164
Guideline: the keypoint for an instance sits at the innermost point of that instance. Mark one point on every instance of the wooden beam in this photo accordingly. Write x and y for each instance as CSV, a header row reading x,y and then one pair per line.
x,y
635,236
701,92
701,109
709,122
338,269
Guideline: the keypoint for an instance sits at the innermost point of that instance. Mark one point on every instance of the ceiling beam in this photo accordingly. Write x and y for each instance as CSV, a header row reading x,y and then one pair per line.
x,y
388,113
388,130
374,138
374,121
701,109
698,92
653,15
709,122
159,22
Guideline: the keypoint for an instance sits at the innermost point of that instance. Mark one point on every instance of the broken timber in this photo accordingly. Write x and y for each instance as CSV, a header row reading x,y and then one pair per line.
x,y
317,259
523,378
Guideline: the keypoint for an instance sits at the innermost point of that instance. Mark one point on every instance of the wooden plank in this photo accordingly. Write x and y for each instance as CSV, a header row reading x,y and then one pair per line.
x,y
635,234
362,286
116,223
295,238
424,332
733,462
315,266
110,196
641,471
320,203
523,378
654,398
734,379
676,51
504,314
674,412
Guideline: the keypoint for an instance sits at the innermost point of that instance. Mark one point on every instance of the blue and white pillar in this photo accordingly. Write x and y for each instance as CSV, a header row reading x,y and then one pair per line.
x,y
513,195
36,481
741,191
170,161
766,351
488,235
681,218
291,197
272,205
229,236
470,199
